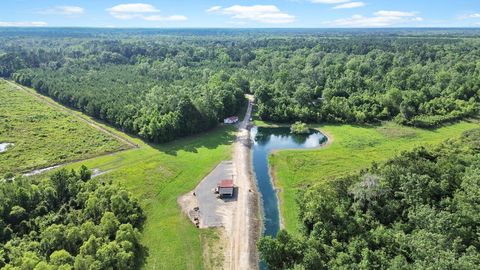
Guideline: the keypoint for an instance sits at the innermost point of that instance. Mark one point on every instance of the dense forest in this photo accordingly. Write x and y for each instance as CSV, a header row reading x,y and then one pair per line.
x,y
162,85
419,210
68,221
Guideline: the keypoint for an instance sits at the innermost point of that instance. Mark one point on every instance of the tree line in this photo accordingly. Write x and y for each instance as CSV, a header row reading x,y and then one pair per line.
x,y
419,210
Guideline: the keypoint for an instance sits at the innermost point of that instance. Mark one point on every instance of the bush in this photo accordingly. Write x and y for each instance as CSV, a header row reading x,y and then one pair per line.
x,y
299,128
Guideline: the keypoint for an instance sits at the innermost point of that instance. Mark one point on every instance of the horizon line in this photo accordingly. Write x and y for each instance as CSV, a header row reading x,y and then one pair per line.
x,y
242,28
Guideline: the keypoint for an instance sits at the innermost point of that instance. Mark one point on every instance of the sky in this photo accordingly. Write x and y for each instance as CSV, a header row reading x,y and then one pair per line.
x,y
241,13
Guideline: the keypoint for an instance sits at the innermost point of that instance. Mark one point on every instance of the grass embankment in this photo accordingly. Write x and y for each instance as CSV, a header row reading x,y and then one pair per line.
x,y
353,148
42,135
157,175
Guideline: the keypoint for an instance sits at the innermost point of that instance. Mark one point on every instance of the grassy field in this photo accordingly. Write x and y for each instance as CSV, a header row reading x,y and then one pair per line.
x,y
43,135
353,148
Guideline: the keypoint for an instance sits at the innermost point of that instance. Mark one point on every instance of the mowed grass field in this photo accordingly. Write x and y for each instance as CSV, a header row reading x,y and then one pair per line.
x,y
353,148
43,135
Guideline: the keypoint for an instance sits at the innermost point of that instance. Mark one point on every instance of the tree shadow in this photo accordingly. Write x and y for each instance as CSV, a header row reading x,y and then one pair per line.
x,y
221,135
141,257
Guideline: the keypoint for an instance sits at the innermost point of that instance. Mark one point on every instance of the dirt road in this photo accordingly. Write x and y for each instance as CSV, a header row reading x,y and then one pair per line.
x,y
243,253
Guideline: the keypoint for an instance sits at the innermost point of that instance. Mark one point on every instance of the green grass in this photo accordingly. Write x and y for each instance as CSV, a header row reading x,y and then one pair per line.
x,y
157,175
43,135
353,148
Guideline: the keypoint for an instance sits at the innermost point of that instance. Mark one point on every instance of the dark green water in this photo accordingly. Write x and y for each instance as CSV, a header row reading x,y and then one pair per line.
x,y
265,141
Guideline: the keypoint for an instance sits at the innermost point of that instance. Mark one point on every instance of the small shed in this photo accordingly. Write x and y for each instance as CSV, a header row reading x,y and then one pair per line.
x,y
231,120
225,188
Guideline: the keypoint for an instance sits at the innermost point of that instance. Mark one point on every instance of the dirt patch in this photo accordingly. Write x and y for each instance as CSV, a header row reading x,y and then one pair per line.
x,y
188,203
39,171
97,172
243,252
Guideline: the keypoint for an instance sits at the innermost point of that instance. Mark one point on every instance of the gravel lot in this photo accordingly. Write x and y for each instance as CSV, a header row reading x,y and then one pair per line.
x,y
210,206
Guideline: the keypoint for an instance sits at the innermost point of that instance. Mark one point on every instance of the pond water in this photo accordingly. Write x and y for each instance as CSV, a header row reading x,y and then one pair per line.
x,y
265,141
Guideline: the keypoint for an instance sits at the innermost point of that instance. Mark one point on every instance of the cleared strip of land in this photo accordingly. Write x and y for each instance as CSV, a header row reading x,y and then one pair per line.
x,y
78,115
41,133
353,148
243,252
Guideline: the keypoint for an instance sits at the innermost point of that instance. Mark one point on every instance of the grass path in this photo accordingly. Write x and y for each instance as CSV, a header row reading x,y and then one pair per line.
x,y
353,148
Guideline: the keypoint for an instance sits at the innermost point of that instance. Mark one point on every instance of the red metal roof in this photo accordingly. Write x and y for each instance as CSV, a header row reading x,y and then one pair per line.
x,y
226,184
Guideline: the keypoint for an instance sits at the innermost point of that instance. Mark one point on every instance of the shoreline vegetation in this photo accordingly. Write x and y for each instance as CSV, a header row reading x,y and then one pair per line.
x,y
354,148
299,128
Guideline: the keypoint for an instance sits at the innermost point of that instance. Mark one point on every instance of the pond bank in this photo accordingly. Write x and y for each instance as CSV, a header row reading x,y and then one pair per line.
x,y
266,141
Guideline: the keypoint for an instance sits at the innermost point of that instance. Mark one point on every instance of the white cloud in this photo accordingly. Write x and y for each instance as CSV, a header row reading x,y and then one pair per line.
x,y
141,11
258,13
23,24
390,13
63,10
329,1
214,9
350,5
172,18
381,18
474,15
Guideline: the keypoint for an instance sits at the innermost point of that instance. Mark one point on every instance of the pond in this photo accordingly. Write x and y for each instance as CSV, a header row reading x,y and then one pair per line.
x,y
265,141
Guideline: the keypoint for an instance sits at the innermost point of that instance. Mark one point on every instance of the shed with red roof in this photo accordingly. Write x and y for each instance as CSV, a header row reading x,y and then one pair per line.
x,y
225,188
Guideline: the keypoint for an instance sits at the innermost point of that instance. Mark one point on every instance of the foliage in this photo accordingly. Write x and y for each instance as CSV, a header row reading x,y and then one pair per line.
x,y
418,210
43,135
299,128
68,221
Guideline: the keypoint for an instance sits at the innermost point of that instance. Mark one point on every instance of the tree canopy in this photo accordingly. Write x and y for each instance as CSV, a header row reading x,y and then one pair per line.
x,y
165,86
68,221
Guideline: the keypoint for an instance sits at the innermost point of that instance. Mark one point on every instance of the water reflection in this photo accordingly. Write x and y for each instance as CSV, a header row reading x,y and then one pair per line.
x,y
265,141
